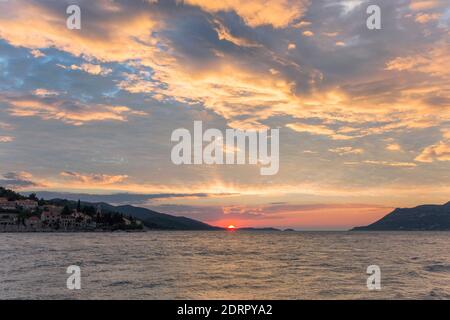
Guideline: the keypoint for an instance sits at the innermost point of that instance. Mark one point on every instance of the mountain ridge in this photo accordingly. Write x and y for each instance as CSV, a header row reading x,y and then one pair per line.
x,y
150,218
428,217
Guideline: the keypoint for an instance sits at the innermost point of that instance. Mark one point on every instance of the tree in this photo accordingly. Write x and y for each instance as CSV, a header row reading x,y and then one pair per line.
x,y
79,205
89,210
66,211
42,202
33,196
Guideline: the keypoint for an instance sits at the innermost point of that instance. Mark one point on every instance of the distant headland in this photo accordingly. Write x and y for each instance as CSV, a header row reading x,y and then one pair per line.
x,y
421,218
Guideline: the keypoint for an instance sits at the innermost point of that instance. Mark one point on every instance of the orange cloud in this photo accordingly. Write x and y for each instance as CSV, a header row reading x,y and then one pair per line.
x,y
427,17
417,5
71,112
44,92
277,13
5,139
6,126
37,54
318,130
391,163
435,61
113,37
241,93
225,34
19,180
436,152
347,150
94,179
394,147
94,69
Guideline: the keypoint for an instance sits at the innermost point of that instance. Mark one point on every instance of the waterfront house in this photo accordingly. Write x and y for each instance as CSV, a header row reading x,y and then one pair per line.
x,y
51,215
82,220
33,222
67,222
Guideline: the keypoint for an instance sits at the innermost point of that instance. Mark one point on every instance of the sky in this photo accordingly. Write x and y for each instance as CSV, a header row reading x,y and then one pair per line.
x,y
363,114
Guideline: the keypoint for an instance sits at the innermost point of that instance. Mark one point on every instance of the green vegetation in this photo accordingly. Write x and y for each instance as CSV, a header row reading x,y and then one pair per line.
x,y
11,195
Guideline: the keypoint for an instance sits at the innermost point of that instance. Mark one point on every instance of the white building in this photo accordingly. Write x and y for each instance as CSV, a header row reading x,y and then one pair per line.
x,y
7,205
67,222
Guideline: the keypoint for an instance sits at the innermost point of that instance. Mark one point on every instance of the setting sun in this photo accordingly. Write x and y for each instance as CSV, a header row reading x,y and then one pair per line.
x,y
231,227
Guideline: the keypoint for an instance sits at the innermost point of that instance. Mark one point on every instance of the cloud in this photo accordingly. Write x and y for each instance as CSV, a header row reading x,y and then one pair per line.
x,y
446,133
427,17
277,13
94,178
178,57
23,175
394,147
436,152
45,92
417,5
314,129
69,111
37,53
5,139
434,61
227,87
391,163
90,68
224,33
301,24
318,130
241,86
6,126
106,35
347,150
232,91
18,180
119,198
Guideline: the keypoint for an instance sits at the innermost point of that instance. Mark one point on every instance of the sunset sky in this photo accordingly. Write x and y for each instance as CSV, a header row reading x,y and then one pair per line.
x,y
364,115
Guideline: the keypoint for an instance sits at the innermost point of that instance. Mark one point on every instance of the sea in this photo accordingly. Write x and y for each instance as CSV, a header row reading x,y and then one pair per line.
x,y
225,265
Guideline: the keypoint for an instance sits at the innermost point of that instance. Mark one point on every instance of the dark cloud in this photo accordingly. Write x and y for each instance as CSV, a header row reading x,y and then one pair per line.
x,y
17,180
117,198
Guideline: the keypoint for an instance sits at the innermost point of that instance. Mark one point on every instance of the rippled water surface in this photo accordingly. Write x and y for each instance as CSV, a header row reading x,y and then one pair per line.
x,y
225,265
